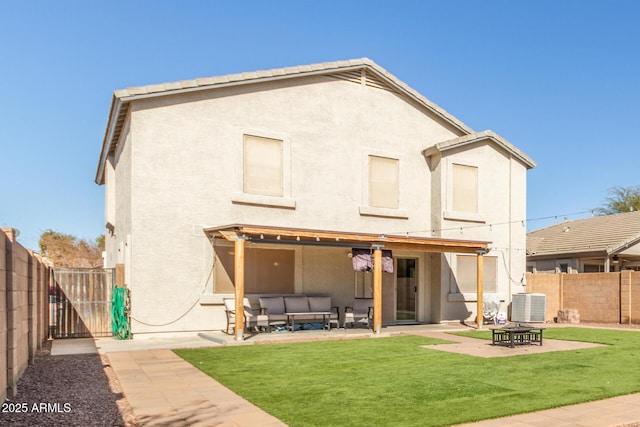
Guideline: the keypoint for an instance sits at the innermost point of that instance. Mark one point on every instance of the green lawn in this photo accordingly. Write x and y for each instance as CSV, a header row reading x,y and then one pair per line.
x,y
393,381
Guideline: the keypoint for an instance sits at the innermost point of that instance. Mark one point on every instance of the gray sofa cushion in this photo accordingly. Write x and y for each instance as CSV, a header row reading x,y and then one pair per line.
x,y
272,305
320,303
296,304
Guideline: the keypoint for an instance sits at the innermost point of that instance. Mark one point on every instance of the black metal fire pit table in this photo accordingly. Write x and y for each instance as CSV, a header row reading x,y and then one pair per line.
x,y
518,334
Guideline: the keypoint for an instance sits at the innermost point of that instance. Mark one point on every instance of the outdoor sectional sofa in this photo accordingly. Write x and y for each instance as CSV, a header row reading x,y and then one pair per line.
x,y
289,310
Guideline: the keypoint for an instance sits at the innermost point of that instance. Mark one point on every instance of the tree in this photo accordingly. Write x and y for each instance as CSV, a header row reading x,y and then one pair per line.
x,y
66,250
621,199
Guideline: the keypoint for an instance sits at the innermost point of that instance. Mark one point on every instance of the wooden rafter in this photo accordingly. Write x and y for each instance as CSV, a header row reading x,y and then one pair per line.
x,y
340,238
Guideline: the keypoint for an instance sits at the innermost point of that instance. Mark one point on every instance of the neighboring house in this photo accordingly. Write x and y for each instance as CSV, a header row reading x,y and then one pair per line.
x,y
596,244
280,173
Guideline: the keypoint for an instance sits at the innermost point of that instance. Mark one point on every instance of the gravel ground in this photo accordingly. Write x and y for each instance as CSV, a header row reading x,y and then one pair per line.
x,y
70,390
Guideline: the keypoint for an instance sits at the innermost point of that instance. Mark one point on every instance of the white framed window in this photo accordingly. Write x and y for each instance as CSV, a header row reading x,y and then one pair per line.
x,y
381,186
384,191
563,266
463,191
264,170
466,274
267,270
465,188
262,166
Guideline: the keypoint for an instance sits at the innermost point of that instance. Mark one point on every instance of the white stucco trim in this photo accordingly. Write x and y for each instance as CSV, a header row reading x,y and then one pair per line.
x,y
266,201
383,212
214,299
464,216
467,297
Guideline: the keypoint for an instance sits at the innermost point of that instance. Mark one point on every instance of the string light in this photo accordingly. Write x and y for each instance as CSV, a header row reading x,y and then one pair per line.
x,y
522,221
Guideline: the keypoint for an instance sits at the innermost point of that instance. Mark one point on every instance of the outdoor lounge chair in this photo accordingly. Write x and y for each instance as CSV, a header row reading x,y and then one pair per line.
x,y
230,311
320,304
361,312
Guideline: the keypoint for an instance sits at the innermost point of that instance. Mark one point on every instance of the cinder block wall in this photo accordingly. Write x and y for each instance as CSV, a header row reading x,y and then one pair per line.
x,y
548,284
4,254
23,310
630,297
598,297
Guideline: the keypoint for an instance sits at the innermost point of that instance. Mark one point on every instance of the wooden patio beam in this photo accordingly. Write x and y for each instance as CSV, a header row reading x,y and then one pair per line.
x,y
480,290
377,290
238,270
257,233
433,248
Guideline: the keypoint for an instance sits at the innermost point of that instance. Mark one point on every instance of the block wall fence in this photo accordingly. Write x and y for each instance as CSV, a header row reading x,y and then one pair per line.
x,y
24,318
598,297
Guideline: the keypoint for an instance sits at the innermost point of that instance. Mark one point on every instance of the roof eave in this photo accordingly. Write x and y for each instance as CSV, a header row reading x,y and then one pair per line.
x,y
107,140
624,245
444,146
567,254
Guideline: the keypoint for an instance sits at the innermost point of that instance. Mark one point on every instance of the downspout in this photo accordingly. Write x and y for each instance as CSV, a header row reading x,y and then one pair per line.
x,y
510,227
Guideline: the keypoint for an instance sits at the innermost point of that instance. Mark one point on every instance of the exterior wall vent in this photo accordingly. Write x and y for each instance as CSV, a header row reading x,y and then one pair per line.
x,y
528,307
362,77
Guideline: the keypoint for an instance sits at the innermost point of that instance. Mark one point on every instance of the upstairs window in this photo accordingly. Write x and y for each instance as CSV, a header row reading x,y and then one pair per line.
x,y
465,188
263,171
383,182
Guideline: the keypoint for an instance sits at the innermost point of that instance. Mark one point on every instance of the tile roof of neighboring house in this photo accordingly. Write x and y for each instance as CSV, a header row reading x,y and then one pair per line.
x,y
607,234
476,137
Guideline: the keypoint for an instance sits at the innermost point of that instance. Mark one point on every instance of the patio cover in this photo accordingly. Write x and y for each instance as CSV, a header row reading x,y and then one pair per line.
x,y
240,233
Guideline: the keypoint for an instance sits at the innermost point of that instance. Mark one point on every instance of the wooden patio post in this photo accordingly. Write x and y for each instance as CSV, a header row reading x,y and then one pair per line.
x,y
480,285
377,290
238,270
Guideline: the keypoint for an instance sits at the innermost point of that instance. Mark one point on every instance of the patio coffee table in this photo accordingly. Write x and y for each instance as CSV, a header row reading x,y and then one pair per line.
x,y
291,318
517,335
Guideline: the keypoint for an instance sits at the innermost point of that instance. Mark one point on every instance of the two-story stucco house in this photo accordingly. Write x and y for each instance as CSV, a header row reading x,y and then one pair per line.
x,y
263,182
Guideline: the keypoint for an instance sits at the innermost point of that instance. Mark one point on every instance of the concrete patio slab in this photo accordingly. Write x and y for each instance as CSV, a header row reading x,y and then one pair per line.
x,y
484,348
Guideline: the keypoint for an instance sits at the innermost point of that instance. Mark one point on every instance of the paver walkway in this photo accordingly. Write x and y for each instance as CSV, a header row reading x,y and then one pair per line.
x,y
164,390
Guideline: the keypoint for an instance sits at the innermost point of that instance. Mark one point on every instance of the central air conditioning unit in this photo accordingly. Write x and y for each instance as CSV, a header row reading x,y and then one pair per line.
x,y
528,307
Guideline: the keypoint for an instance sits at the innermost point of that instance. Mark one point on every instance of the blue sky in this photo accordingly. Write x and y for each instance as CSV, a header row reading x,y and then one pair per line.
x,y
559,79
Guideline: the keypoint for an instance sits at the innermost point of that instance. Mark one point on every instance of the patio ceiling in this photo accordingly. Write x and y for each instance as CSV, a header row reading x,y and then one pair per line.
x,y
300,236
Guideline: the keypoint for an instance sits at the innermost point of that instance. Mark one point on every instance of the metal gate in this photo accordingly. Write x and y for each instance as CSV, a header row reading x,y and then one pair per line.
x,y
80,302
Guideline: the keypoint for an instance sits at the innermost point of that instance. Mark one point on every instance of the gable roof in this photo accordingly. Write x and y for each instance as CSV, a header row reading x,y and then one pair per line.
x,y
608,234
479,137
363,71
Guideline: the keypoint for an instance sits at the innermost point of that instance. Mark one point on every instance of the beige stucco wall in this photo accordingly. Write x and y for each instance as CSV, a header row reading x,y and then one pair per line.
x,y
182,171
501,211
552,265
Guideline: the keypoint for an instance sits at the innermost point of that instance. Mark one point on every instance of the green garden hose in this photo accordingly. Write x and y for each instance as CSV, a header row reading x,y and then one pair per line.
x,y
120,314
